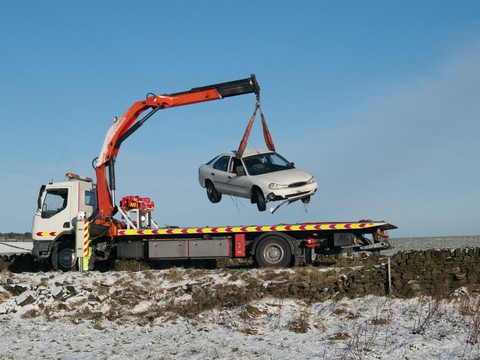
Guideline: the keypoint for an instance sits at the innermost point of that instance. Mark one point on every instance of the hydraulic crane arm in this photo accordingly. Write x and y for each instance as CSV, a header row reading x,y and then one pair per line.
x,y
130,122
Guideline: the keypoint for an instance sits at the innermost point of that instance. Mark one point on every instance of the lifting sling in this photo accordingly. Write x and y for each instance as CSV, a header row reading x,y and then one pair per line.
x,y
266,133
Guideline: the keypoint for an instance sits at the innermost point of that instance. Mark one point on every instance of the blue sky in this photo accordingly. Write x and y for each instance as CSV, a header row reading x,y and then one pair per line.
x,y
378,99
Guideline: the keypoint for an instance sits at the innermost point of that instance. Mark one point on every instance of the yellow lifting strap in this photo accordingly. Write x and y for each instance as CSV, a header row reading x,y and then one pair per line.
x,y
266,133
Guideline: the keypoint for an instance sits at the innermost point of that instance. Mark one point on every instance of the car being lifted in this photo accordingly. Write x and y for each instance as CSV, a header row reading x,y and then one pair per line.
x,y
259,175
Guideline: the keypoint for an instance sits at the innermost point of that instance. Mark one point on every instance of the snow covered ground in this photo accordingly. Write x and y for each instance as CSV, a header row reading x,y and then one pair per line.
x,y
15,247
426,243
149,315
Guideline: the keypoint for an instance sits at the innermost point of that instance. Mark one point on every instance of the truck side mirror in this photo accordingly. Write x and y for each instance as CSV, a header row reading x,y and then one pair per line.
x,y
40,193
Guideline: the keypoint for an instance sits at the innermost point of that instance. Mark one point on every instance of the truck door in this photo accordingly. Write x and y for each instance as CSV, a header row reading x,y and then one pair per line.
x,y
54,213
87,198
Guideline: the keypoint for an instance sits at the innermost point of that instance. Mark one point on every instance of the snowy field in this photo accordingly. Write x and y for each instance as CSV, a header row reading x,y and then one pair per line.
x,y
15,247
426,243
138,315
128,315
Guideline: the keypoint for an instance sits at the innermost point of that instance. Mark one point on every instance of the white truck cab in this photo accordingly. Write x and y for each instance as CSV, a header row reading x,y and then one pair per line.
x,y
58,206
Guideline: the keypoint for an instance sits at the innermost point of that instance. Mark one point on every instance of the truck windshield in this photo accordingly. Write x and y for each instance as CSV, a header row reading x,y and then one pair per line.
x,y
55,201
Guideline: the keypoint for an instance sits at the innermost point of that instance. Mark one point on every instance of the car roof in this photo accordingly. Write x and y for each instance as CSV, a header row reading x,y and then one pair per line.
x,y
248,152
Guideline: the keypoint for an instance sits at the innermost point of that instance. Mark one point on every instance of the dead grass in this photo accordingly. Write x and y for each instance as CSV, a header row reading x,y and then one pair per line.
x,y
300,324
379,321
340,336
428,313
199,274
32,313
99,325
362,340
175,275
76,303
251,312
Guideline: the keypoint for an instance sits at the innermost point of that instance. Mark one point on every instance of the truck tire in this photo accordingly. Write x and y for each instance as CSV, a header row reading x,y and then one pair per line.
x,y
273,251
64,257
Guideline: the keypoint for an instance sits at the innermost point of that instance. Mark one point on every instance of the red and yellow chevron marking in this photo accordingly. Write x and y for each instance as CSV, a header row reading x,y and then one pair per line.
x,y
46,233
252,229
86,239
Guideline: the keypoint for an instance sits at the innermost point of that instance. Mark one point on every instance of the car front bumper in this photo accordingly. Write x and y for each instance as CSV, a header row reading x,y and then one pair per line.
x,y
292,194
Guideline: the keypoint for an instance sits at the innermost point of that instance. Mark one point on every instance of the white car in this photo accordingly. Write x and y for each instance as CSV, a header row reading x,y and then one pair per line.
x,y
261,176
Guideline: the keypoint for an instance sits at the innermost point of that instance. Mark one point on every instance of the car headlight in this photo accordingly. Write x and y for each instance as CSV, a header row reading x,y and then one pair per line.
x,y
311,180
274,186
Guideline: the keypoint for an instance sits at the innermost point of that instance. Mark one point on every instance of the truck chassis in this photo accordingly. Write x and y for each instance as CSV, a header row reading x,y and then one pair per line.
x,y
268,245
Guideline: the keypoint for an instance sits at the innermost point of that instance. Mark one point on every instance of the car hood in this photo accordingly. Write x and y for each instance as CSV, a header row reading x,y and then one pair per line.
x,y
285,176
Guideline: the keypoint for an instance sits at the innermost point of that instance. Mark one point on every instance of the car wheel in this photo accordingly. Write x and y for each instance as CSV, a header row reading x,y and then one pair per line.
x,y
260,200
213,195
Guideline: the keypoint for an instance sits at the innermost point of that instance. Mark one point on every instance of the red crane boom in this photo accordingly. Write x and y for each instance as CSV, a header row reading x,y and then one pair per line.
x,y
130,122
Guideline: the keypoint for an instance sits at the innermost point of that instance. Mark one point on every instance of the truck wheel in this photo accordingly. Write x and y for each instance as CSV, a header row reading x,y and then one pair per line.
x,y
273,251
64,257
260,200
213,195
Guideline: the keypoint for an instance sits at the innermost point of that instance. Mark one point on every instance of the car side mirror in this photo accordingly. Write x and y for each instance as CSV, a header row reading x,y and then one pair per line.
x,y
239,170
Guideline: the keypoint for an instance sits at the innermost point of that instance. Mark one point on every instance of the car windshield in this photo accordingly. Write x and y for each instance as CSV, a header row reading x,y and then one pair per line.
x,y
266,163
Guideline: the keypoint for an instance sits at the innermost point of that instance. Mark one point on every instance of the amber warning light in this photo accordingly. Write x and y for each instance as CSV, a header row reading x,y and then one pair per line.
x,y
71,176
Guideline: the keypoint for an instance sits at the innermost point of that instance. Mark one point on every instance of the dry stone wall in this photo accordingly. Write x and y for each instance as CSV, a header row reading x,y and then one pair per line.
x,y
412,273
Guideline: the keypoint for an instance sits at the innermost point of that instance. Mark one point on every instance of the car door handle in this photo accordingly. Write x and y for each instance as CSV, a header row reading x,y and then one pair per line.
x,y
213,174
229,177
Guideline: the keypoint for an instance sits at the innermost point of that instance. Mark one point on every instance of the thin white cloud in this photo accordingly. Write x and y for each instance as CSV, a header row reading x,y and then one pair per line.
x,y
410,150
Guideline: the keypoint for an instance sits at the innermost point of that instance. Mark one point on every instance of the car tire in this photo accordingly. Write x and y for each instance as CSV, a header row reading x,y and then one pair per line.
x,y
260,200
213,195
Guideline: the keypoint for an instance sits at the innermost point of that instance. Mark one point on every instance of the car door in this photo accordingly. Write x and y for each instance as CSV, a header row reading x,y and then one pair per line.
x,y
219,174
238,183
227,180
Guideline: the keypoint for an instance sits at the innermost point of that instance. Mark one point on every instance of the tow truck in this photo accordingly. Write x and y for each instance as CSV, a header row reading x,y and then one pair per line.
x,y
75,225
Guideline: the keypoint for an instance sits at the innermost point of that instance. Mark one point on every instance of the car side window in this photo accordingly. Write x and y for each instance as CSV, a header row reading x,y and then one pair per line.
x,y
254,165
236,167
222,163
